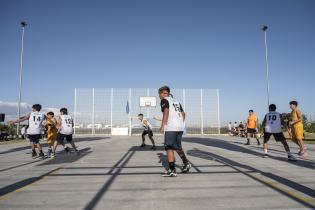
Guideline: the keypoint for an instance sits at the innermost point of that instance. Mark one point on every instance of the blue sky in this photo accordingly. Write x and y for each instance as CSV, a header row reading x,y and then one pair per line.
x,y
185,44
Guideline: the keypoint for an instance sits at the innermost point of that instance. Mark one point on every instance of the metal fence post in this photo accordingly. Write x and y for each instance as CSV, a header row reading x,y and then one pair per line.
x,y
75,110
148,110
129,114
111,109
184,99
201,110
219,123
93,111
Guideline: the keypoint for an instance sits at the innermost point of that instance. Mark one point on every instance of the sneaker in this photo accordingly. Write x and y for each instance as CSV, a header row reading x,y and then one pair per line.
x,y
291,158
266,155
49,153
170,174
153,147
186,168
303,153
248,143
142,145
67,150
34,155
41,155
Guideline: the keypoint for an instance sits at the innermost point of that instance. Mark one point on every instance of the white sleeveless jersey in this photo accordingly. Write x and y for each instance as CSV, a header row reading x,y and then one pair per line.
x,y
35,123
146,127
66,127
273,122
175,120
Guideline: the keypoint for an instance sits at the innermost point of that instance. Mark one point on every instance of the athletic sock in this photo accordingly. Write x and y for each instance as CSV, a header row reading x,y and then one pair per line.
x,y
266,151
172,166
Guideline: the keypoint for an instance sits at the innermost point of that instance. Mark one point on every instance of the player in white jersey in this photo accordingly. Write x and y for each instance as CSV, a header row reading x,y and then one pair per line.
x,y
273,126
147,131
173,127
35,128
65,130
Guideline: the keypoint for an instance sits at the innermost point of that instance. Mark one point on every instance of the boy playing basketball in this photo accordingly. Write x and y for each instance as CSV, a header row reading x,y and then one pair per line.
x,y
147,131
35,129
65,130
173,126
272,124
252,127
297,130
51,132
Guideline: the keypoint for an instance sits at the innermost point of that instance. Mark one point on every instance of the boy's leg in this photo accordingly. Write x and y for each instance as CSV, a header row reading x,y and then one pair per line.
x,y
265,145
280,137
143,137
70,140
171,159
170,144
182,155
248,135
150,134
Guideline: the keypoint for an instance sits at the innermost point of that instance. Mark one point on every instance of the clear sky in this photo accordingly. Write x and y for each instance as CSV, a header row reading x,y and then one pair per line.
x,y
185,44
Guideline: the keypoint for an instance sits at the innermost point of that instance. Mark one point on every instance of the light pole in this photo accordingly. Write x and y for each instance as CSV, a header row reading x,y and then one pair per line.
x,y
23,25
264,29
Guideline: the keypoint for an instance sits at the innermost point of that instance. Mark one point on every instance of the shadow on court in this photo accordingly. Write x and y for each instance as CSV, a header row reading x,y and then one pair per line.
x,y
298,187
58,160
236,148
44,144
61,157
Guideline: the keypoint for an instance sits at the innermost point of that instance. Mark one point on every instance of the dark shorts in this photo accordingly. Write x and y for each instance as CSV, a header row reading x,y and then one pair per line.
x,y
34,138
149,132
173,140
61,137
251,130
277,136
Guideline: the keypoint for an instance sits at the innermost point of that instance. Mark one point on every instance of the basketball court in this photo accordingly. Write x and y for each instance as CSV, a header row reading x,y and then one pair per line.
x,y
115,173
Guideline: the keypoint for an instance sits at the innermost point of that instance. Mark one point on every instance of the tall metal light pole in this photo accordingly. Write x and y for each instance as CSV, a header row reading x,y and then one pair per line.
x,y
264,29
23,25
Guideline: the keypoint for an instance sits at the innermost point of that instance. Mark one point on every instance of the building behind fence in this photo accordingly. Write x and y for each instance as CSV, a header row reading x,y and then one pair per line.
x,y
100,111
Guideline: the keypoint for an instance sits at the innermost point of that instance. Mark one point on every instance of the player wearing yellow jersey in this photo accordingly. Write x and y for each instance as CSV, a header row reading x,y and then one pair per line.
x,y
52,131
297,130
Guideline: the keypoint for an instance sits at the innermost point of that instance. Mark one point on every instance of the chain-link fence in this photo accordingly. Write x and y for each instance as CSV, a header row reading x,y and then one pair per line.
x,y
103,110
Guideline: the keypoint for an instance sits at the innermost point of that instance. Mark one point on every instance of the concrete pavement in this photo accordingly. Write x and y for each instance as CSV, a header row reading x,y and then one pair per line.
x,y
115,173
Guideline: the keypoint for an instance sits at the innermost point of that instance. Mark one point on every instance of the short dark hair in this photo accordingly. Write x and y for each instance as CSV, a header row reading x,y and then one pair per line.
x,y
164,88
37,107
140,115
51,113
251,110
295,103
272,107
64,110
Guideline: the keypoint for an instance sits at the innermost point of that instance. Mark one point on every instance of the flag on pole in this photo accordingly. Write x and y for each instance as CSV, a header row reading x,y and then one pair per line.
x,y
127,107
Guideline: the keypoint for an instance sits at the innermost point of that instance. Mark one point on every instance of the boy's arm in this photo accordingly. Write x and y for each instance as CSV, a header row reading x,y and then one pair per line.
x,y
165,109
299,117
26,117
164,119
263,124
182,112
58,123
145,122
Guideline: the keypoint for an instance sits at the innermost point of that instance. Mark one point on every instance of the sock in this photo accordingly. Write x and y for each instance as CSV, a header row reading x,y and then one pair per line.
x,y
172,165
289,153
266,151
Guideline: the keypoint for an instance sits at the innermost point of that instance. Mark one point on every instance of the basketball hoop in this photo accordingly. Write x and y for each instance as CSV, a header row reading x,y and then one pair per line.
x,y
146,101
